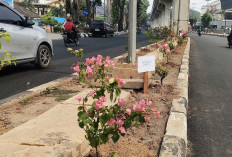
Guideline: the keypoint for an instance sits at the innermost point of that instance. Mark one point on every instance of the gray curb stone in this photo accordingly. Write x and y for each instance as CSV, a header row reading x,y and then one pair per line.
x,y
174,143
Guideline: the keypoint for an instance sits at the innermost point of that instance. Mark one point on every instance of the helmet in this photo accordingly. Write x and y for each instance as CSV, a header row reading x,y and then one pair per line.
x,y
68,18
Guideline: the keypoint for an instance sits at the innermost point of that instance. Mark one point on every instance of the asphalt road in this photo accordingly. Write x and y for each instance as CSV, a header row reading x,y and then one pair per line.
x,y
210,97
14,80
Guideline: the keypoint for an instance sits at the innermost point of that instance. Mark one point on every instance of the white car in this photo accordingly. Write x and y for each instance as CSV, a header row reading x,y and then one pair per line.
x,y
28,43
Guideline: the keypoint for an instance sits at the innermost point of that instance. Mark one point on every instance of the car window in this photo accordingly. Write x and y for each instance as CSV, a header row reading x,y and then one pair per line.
x,y
9,17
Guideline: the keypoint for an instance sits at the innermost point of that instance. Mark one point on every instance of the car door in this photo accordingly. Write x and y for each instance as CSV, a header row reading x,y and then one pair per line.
x,y
22,44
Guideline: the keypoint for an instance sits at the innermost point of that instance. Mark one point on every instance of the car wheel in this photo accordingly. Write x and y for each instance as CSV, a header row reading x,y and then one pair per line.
x,y
43,57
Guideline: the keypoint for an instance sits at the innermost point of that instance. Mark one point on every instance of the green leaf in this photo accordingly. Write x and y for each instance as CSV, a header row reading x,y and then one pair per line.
x,y
141,119
94,141
80,108
82,115
104,138
81,124
111,96
115,137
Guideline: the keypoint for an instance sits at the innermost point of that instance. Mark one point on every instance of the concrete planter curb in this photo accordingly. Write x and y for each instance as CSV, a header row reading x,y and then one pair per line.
x,y
175,139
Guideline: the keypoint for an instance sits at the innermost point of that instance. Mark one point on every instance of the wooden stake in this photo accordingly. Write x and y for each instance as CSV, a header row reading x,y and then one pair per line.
x,y
145,86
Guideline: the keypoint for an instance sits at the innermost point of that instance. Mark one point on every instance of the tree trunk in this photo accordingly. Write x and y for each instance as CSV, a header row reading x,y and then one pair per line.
x,y
88,6
121,16
76,10
68,7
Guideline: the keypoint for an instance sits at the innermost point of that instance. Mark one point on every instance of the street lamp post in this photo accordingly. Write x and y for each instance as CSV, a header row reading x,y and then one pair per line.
x,y
225,22
132,31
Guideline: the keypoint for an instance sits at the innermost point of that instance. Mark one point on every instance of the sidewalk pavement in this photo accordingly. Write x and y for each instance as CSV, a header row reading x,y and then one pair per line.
x,y
53,133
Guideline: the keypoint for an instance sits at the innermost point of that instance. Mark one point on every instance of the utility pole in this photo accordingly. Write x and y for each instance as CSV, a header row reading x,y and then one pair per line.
x,y
178,21
132,31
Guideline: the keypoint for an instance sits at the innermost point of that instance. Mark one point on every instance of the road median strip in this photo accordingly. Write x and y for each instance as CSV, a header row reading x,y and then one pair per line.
x,y
175,139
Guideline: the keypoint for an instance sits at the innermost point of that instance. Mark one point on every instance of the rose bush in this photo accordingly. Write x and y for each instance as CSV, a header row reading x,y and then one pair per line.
x,y
102,122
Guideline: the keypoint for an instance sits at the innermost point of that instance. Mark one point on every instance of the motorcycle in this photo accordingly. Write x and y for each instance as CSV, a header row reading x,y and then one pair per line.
x,y
70,39
199,33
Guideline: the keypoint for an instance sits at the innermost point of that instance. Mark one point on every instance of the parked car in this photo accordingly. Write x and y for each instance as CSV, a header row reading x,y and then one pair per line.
x,y
29,43
101,28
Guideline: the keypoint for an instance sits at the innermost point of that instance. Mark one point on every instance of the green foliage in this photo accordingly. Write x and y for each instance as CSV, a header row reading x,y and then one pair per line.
x,y
161,70
152,37
171,46
165,32
193,21
205,20
57,11
48,20
193,14
180,41
7,59
142,15
26,4
102,122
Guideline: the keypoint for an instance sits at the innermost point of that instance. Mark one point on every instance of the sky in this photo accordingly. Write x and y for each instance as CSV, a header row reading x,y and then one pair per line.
x,y
194,4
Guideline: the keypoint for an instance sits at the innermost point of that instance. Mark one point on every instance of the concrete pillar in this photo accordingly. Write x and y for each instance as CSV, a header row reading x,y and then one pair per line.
x,y
180,15
132,31
167,14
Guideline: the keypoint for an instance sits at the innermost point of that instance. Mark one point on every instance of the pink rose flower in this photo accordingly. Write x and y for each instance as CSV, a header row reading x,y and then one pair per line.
x,y
153,109
122,130
117,79
89,70
77,68
149,103
122,82
120,122
79,98
121,102
128,111
136,108
112,63
91,93
142,103
147,118
111,122
98,106
102,99
107,78
99,57
157,114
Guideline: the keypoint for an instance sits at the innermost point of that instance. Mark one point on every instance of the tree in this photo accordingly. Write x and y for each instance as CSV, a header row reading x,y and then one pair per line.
x,y
193,21
223,13
57,11
27,4
48,20
118,10
142,15
206,19
194,14
90,5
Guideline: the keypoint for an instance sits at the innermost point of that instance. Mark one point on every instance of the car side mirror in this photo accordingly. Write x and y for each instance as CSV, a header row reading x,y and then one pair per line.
x,y
28,22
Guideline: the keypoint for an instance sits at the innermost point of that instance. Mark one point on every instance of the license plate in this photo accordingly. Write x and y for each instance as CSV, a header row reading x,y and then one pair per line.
x,y
97,29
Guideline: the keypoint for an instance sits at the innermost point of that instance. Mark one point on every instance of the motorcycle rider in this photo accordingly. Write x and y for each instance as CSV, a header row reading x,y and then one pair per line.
x,y
199,31
71,28
230,37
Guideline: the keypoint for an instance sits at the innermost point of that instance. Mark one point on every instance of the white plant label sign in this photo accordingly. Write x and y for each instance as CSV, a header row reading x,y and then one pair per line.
x,y
146,63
